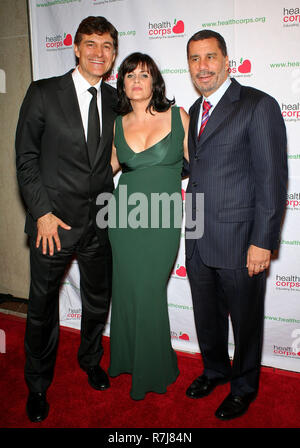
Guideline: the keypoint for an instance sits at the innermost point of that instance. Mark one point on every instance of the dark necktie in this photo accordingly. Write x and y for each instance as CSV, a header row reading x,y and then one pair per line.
x,y
93,135
205,116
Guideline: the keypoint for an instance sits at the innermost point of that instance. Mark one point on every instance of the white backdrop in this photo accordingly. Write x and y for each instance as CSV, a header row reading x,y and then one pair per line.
x,y
263,40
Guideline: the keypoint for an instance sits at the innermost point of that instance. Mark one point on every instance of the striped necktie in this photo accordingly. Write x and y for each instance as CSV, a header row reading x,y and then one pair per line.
x,y
205,116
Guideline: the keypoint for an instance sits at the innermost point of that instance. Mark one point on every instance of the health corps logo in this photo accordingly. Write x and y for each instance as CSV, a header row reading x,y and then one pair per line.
x,y
59,41
112,77
164,29
290,112
182,336
291,17
286,352
287,282
179,271
74,314
241,67
293,201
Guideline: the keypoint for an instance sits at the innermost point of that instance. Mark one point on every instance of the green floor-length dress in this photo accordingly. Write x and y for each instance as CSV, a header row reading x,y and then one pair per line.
x,y
142,262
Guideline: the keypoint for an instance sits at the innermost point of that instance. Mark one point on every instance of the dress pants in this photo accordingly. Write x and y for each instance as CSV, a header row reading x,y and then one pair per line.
x,y
218,293
42,329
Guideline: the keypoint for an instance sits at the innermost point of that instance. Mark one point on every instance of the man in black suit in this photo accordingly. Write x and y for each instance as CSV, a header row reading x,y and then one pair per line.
x,y
63,147
237,152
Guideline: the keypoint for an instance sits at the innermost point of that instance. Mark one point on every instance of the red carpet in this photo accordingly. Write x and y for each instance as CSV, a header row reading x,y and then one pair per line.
x,y
74,404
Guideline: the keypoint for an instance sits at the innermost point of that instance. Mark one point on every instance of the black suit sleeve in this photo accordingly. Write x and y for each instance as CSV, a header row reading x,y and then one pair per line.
x,y
185,169
269,163
29,136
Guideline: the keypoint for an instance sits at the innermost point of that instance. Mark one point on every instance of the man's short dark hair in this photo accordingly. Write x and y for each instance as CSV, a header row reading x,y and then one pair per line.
x,y
96,25
208,34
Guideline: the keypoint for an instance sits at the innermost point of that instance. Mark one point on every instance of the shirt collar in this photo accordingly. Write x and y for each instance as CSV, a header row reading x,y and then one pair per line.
x,y
81,84
215,97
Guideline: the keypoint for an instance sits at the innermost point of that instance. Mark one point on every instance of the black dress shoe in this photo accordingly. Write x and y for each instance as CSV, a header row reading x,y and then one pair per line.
x,y
203,386
37,407
234,406
97,378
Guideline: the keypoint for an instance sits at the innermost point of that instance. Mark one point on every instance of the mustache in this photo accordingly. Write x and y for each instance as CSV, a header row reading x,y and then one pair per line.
x,y
204,73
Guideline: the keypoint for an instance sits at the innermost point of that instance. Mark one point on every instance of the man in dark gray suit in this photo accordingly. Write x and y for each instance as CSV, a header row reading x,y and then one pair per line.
x,y
63,145
237,152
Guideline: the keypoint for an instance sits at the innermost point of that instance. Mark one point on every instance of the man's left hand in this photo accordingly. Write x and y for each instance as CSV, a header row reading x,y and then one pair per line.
x,y
258,260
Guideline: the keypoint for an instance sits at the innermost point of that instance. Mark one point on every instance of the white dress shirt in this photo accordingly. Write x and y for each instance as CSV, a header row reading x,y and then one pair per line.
x,y
214,98
84,98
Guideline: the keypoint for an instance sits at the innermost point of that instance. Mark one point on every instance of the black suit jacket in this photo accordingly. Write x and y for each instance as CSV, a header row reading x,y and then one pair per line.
x,y
53,168
240,164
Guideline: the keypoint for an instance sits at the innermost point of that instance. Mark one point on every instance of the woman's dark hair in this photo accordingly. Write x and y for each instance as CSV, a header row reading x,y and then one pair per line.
x,y
158,102
97,25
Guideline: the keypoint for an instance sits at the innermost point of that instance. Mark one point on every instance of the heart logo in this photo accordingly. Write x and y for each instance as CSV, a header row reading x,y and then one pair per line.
x,y
181,272
67,40
245,67
184,337
178,28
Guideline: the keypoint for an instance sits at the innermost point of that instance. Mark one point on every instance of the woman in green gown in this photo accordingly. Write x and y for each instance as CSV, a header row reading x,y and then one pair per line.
x,y
145,225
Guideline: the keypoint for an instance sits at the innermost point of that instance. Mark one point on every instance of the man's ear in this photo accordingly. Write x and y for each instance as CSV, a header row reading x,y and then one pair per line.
x,y
76,50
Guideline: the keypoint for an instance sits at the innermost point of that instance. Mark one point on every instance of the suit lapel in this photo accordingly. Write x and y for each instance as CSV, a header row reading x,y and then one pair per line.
x,y
69,104
224,107
194,121
107,119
